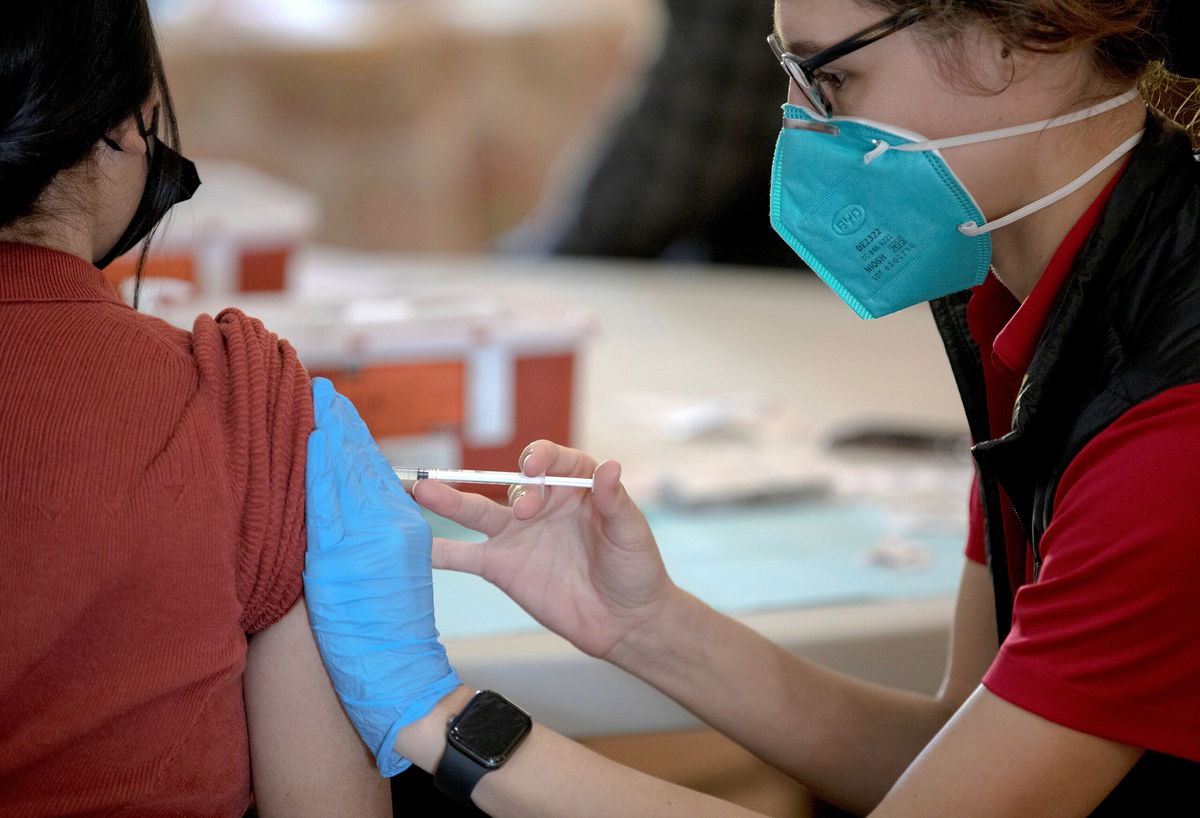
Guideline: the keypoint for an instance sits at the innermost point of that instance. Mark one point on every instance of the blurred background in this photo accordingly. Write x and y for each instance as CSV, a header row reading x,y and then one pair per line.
x,y
420,125
492,221
441,125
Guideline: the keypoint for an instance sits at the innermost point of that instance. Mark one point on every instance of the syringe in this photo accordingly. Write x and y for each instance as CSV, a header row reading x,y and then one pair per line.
x,y
495,478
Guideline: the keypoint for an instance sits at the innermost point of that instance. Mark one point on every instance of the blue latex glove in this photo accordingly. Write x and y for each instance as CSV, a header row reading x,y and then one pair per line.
x,y
368,582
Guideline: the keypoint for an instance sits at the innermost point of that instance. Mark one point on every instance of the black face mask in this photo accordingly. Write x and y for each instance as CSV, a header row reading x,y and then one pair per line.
x,y
170,179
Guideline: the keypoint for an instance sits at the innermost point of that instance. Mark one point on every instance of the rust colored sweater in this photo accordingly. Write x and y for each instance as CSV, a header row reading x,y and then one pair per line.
x,y
151,516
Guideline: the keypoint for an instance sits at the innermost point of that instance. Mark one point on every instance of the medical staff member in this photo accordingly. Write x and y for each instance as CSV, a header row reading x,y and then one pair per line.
x,y
994,157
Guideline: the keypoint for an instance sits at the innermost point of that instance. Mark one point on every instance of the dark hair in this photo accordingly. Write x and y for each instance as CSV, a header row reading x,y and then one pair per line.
x,y
1149,42
70,72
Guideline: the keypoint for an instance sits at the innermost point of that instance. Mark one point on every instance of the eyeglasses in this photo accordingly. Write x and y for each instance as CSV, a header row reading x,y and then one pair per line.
x,y
146,132
152,130
807,74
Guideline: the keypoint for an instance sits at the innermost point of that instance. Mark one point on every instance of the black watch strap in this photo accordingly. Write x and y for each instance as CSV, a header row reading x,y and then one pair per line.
x,y
457,774
480,739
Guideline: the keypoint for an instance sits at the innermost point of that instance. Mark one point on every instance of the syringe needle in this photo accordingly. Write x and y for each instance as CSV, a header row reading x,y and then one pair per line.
x,y
495,478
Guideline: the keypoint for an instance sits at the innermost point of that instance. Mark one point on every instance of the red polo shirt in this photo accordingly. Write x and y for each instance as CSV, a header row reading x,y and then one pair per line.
x,y
151,515
1106,641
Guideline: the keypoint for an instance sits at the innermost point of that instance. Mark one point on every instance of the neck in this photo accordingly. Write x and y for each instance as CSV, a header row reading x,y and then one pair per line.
x,y
54,235
64,218
1022,250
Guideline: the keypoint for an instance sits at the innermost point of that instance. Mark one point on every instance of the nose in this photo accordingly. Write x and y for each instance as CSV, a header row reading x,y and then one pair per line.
x,y
797,97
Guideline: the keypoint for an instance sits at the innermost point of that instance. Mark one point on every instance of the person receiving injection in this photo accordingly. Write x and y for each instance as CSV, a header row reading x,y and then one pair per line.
x,y
994,157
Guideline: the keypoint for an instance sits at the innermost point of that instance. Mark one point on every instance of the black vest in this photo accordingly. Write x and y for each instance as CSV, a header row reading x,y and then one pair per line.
x,y
1125,328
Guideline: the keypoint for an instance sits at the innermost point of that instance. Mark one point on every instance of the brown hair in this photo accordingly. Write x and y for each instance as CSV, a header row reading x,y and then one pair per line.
x,y
1129,39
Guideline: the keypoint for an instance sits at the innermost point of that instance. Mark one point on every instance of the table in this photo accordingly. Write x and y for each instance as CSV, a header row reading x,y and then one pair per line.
x,y
702,331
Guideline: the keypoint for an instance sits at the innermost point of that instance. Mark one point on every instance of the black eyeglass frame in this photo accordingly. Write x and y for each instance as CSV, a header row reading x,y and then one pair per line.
x,y
805,72
145,132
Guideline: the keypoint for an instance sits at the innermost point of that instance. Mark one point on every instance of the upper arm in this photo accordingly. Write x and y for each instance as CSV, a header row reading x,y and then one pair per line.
x,y
974,642
994,759
305,756
263,405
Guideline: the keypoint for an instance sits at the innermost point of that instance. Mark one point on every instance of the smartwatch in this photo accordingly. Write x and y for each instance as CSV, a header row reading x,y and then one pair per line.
x,y
478,740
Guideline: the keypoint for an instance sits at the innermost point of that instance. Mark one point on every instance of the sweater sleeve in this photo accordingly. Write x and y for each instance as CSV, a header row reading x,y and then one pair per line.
x,y
268,416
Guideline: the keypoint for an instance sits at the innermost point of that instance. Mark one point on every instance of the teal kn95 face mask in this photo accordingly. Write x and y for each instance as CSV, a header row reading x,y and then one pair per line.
x,y
878,214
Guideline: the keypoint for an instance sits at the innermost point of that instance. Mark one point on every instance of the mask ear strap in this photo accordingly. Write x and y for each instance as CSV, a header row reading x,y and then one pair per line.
x,y
882,146
972,229
1019,130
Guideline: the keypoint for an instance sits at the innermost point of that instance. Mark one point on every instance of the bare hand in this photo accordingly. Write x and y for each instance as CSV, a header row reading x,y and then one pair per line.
x,y
584,564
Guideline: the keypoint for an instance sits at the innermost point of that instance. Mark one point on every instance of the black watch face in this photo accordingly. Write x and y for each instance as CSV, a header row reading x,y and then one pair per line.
x,y
490,728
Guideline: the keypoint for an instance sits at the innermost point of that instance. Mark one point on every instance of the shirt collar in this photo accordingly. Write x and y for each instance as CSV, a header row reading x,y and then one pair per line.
x,y
1017,339
29,272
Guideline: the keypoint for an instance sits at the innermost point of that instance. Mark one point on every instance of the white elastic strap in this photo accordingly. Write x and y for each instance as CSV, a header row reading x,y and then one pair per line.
x,y
972,229
882,147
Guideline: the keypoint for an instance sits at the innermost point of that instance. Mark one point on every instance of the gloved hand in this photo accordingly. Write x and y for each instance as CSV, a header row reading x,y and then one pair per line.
x,y
368,582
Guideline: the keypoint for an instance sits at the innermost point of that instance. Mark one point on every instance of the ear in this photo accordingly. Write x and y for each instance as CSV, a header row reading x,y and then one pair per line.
x,y
1000,63
985,62
125,138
